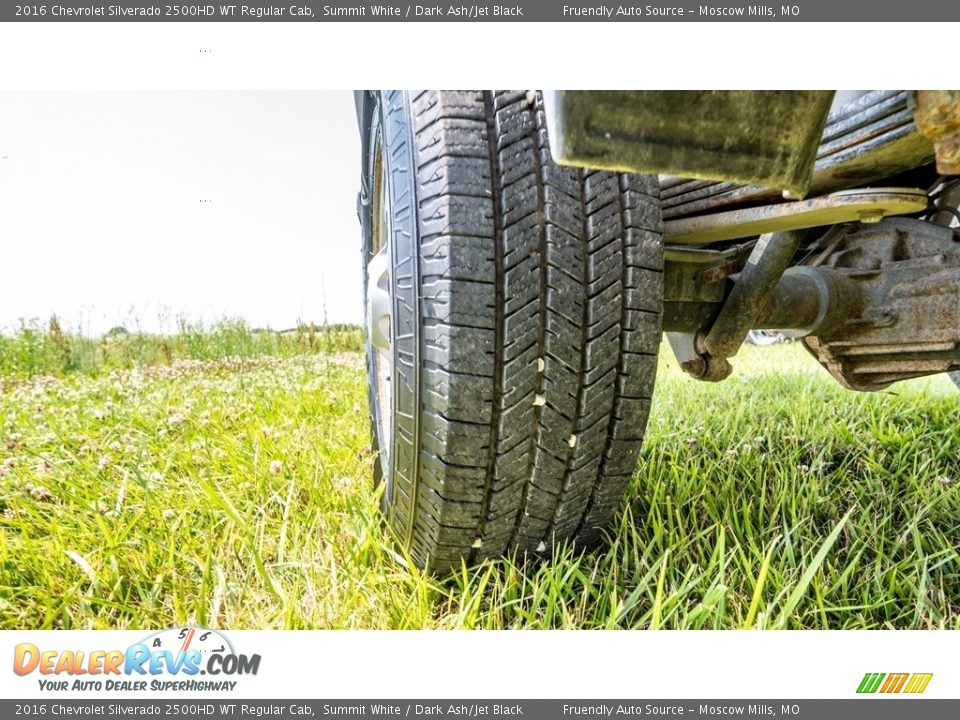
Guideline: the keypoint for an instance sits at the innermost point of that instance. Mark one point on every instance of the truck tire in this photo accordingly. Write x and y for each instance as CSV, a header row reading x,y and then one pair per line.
x,y
513,324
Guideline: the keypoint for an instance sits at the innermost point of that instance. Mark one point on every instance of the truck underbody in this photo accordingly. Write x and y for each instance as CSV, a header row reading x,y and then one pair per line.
x,y
866,269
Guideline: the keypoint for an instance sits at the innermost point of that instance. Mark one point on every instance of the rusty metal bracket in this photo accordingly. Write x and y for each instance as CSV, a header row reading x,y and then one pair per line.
x,y
866,205
704,355
937,115
751,293
694,361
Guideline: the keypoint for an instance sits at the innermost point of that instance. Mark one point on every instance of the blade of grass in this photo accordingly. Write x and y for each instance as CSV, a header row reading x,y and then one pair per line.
x,y
655,618
758,587
797,595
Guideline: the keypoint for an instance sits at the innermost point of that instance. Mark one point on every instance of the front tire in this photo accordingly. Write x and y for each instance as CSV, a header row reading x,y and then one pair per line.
x,y
521,325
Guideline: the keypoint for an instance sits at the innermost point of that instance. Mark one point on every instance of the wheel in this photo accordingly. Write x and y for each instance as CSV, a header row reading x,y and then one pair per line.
x,y
513,324
764,338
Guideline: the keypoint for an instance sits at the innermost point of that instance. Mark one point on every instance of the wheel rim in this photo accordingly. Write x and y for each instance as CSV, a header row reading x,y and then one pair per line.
x,y
378,315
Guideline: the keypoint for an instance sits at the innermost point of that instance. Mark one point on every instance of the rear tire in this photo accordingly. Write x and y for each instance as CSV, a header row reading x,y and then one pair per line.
x,y
525,320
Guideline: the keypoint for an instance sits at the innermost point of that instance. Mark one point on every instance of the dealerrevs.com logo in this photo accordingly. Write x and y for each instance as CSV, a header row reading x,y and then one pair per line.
x,y
169,660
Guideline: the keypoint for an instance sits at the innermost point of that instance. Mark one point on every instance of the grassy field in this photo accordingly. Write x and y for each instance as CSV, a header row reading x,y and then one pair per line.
x,y
236,493
36,348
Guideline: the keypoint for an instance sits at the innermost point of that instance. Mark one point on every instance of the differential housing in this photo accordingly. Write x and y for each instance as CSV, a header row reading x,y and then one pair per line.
x,y
899,284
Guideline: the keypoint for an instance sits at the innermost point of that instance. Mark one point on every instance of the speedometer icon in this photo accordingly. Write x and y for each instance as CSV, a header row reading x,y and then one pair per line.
x,y
182,640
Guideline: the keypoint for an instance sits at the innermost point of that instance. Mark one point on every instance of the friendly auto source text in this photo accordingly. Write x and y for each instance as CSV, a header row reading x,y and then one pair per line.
x,y
611,11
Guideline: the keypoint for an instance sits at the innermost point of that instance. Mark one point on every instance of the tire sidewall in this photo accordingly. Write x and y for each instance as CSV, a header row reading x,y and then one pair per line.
x,y
369,120
389,125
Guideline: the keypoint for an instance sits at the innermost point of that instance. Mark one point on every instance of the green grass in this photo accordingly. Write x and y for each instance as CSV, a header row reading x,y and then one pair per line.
x,y
237,493
48,349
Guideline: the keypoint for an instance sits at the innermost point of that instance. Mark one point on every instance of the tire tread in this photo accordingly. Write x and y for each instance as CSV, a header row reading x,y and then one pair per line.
x,y
541,290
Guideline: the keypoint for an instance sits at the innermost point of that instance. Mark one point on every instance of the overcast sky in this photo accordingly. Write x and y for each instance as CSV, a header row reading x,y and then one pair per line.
x,y
101,219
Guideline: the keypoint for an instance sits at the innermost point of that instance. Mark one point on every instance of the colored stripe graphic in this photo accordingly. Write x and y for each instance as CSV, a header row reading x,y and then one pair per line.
x,y
894,683
870,682
918,682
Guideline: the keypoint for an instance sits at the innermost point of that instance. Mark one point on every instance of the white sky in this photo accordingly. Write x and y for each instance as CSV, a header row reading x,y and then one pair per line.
x,y
101,219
